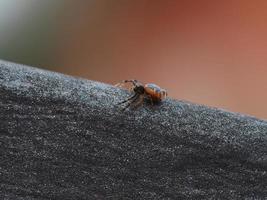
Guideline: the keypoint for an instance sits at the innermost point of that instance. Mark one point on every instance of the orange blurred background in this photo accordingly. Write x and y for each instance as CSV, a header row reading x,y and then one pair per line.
x,y
208,52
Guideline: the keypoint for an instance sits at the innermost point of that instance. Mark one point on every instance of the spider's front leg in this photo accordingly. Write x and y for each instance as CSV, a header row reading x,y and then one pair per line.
x,y
120,84
128,100
131,101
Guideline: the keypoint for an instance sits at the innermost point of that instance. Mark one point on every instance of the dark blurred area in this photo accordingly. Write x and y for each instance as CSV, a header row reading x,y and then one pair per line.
x,y
208,52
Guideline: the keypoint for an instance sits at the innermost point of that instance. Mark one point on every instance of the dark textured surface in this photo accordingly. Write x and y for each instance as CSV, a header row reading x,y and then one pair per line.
x,y
64,138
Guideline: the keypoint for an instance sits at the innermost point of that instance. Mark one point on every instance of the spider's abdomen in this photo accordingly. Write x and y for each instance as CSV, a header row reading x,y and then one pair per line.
x,y
155,92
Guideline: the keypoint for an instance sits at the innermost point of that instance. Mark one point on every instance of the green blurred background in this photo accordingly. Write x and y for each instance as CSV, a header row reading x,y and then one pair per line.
x,y
208,52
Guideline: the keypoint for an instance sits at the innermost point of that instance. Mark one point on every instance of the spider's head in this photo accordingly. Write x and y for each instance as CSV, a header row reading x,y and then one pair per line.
x,y
139,89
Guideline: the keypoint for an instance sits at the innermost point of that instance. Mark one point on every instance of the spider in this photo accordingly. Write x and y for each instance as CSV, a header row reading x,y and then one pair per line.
x,y
149,91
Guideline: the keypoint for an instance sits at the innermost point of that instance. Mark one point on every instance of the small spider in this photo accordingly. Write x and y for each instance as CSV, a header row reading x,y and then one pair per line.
x,y
149,91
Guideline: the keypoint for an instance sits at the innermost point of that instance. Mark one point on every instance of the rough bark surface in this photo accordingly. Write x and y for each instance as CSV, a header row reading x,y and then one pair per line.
x,y
64,138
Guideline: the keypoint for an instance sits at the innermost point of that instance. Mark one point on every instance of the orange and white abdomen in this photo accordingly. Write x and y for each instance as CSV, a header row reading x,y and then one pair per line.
x,y
155,92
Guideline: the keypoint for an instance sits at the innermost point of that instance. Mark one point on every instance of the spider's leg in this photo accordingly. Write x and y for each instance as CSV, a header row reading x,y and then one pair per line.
x,y
139,102
126,81
151,100
131,81
130,103
120,84
148,97
129,99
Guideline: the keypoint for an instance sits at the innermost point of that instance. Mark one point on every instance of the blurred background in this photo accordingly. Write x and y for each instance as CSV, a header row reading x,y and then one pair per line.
x,y
208,52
